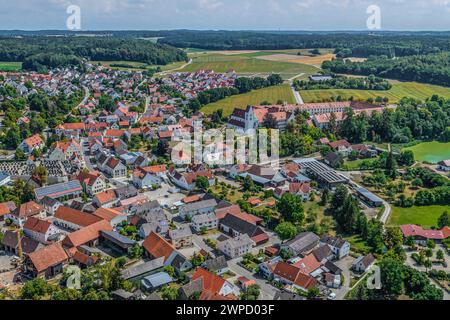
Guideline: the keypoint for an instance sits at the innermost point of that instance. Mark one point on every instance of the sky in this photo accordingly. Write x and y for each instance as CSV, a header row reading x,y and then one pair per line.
x,y
314,15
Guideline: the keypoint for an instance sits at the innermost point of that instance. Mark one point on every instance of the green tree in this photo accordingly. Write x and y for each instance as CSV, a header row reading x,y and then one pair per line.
x,y
252,292
291,208
392,276
202,183
169,293
35,289
286,231
444,220
248,185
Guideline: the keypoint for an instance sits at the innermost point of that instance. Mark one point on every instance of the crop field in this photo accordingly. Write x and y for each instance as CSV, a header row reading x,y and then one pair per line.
x,y
431,152
10,66
399,90
255,97
246,64
309,60
424,216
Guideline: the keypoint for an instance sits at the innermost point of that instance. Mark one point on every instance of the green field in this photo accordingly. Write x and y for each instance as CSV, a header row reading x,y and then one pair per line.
x,y
255,97
399,90
10,66
246,64
431,152
423,216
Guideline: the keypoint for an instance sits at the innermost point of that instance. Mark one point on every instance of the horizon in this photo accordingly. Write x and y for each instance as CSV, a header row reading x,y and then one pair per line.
x,y
232,15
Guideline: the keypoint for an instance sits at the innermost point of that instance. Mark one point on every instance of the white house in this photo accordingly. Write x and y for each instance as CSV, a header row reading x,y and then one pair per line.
x,y
205,221
199,207
32,143
92,182
444,165
187,180
236,247
40,230
363,263
114,168
147,177
64,150
339,246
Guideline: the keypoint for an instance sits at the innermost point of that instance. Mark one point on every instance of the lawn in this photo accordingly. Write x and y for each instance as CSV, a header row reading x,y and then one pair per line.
x,y
246,64
424,216
399,90
350,165
431,152
10,66
255,97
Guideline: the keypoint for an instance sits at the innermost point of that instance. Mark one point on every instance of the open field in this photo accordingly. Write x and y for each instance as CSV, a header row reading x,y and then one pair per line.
x,y
424,216
270,94
246,65
10,66
431,152
133,65
399,90
309,60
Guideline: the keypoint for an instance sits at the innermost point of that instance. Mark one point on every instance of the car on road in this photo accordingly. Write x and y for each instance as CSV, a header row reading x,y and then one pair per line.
x,y
331,296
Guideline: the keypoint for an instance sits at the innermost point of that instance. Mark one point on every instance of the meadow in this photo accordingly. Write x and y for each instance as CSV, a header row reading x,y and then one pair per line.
x,y
424,216
431,152
255,97
247,64
10,66
399,90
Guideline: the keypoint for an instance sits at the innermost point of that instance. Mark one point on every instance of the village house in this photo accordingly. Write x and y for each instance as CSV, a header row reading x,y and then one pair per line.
x,y
236,225
302,243
292,275
341,146
205,222
64,190
421,235
72,219
444,165
264,176
50,205
187,180
87,236
26,210
18,245
32,143
213,287
217,265
64,150
181,237
105,199
92,182
114,217
199,207
40,230
114,168
147,177
46,262
339,246
236,247
6,208
302,190
156,247
363,263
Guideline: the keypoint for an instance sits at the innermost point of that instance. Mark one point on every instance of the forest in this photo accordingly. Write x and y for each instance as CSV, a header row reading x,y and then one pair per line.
x,y
433,68
356,44
36,52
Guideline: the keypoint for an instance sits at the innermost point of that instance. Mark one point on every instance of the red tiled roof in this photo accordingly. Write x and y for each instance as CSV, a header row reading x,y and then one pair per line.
x,y
86,234
34,141
106,196
75,216
157,246
28,209
48,256
37,225
211,282
308,264
414,230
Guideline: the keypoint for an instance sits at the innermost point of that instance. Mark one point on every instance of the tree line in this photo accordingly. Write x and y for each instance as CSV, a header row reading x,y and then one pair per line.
x,y
340,82
432,68
39,52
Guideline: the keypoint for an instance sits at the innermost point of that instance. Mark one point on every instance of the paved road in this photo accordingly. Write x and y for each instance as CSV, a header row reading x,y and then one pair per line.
x,y
86,97
297,96
345,265
176,69
267,290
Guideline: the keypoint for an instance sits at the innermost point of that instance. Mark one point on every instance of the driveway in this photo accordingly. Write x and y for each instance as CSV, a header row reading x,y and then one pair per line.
x,y
344,264
267,290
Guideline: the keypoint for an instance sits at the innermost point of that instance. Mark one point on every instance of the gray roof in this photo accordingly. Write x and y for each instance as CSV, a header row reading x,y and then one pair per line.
x,y
156,280
205,217
333,241
216,264
368,195
117,238
182,232
303,242
192,287
59,189
143,268
195,206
